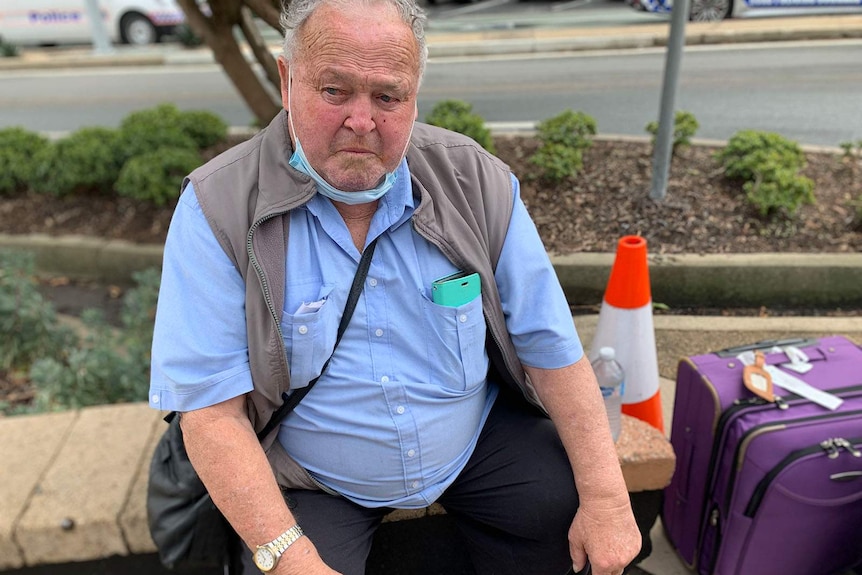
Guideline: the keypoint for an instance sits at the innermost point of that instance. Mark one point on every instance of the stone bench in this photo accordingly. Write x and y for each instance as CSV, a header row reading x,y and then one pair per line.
x,y
73,484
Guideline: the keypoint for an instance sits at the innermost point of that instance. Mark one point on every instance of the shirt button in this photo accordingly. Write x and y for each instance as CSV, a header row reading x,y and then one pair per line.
x,y
384,379
411,453
372,282
303,329
399,409
415,484
378,333
462,318
155,399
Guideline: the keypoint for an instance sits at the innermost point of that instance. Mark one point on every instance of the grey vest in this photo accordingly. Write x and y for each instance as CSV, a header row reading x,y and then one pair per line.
x,y
465,204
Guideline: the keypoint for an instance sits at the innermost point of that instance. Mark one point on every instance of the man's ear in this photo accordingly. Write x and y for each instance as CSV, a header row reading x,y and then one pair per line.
x,y
284,74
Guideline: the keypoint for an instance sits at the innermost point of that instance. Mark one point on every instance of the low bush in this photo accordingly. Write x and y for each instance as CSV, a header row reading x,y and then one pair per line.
x,y
156,176
7,49
458,116
85,161
685,126
18,151
205,128
563,140
187,36
108,365
28,324
769,165
153,128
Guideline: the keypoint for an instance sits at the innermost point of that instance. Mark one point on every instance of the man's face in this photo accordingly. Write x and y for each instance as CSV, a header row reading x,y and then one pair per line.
x,y
353,93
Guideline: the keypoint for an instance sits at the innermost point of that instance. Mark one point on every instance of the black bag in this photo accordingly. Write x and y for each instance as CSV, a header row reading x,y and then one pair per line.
x,y
186,526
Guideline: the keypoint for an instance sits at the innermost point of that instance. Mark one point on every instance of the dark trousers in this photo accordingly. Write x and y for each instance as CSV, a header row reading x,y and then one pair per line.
x,y
513,503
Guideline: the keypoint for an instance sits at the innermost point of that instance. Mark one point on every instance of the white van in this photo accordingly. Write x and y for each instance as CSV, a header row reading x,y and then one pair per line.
x,y
45,22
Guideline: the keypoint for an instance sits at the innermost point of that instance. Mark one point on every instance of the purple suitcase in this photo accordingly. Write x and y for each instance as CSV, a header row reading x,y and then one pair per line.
x,y
765,488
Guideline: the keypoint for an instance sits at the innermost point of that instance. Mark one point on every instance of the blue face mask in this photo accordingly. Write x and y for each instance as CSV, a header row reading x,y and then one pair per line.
x,y
300,162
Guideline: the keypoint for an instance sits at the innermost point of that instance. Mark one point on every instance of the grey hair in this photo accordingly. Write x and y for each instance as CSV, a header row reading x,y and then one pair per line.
x,y
297,12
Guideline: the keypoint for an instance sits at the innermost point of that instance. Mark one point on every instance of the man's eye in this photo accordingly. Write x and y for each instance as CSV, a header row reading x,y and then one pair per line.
x,y
332,91
388,99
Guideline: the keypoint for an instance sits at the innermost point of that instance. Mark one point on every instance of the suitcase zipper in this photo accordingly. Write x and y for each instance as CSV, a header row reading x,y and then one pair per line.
x,y
717,510
758,430
832,448
741,407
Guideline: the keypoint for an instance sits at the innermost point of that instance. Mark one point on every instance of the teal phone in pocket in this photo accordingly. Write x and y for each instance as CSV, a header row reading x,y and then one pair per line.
x,y
456,289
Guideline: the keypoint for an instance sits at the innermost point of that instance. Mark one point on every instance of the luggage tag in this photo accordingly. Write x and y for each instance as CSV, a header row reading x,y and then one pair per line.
x,y
784,380
757,379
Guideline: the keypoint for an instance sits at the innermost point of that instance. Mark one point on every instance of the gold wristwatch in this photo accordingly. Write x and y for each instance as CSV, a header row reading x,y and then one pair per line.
x,y
266,556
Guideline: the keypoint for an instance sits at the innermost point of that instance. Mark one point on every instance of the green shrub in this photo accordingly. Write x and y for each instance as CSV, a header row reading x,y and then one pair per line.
x,y
187,36
18,151
458,116
685,126
205,128
156,176
563,139
748,151
148,130
108,365
769,164
851,150
28,324
7,49
86,160
779,190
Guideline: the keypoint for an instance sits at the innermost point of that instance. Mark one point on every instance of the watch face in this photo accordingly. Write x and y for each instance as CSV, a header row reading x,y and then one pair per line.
x,y
264,558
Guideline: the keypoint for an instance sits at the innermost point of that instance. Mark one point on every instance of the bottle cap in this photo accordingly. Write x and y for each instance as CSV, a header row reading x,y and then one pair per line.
x,y
607,353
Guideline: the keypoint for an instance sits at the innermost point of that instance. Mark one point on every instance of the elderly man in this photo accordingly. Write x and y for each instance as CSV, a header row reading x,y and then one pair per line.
x,y
485,403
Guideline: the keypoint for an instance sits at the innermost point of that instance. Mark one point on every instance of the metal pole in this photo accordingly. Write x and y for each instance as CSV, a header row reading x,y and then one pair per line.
x,y
101,41
664,137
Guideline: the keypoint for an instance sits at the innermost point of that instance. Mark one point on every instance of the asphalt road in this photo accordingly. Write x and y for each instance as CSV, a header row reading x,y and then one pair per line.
x,y
805,91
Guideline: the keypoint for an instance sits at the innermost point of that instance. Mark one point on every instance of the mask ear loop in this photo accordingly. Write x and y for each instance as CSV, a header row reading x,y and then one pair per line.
x,y
289,106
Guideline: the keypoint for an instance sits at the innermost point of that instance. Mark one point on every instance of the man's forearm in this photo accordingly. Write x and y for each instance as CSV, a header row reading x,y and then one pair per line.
x,y
574,402
227,456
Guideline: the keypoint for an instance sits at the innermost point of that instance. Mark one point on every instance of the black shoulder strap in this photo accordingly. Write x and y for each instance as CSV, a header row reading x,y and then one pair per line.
x,y
292,400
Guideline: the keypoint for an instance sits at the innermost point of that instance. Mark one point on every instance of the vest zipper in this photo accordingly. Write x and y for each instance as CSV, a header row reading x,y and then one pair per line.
x,y
264,284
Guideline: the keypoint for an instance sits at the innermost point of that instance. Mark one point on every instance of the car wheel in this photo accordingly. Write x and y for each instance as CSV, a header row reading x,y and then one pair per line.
x,y
709,10
137,30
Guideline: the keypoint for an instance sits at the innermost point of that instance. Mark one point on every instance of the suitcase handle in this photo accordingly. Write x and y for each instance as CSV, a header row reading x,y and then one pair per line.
x,y
765,344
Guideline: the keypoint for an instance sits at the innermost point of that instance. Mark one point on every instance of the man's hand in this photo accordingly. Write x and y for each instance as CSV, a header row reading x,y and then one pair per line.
x,y
604,529
608,538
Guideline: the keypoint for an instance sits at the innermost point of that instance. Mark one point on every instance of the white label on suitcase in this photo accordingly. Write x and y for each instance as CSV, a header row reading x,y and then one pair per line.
x,y
795,385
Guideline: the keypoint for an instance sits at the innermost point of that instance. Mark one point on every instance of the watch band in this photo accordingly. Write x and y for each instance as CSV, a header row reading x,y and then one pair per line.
x,y
266,556
286,539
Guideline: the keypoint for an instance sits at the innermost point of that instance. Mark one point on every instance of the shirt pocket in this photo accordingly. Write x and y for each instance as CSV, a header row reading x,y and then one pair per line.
x,y
456,344
309,338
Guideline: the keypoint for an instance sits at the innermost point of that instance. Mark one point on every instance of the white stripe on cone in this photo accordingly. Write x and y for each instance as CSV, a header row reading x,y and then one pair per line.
x,y
630,332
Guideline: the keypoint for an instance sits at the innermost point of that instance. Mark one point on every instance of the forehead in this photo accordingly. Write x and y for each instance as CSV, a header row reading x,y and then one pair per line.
x,y
359,39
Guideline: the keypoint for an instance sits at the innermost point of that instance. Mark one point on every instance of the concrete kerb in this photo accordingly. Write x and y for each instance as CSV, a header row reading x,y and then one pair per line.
x,y
710,280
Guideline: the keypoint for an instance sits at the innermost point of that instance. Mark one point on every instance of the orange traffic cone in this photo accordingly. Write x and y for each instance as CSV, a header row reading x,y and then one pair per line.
x,y
625,323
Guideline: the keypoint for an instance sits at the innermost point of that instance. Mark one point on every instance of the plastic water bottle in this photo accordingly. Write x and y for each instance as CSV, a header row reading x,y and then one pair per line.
x,y
612,382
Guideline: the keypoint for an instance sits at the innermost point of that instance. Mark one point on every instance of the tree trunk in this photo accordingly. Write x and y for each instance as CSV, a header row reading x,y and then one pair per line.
x,y
217,30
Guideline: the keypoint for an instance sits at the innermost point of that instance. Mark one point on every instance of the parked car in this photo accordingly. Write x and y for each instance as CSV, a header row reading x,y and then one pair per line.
x,y
711,10
47,22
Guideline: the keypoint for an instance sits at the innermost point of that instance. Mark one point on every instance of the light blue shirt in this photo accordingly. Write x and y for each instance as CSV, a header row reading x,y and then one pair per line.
x,y
398,412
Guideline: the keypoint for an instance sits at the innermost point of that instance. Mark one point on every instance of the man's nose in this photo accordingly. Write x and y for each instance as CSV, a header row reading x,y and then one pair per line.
x,y
360,115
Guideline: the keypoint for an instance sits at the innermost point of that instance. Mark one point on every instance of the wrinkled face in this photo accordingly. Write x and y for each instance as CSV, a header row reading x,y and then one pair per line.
x,y
353,93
